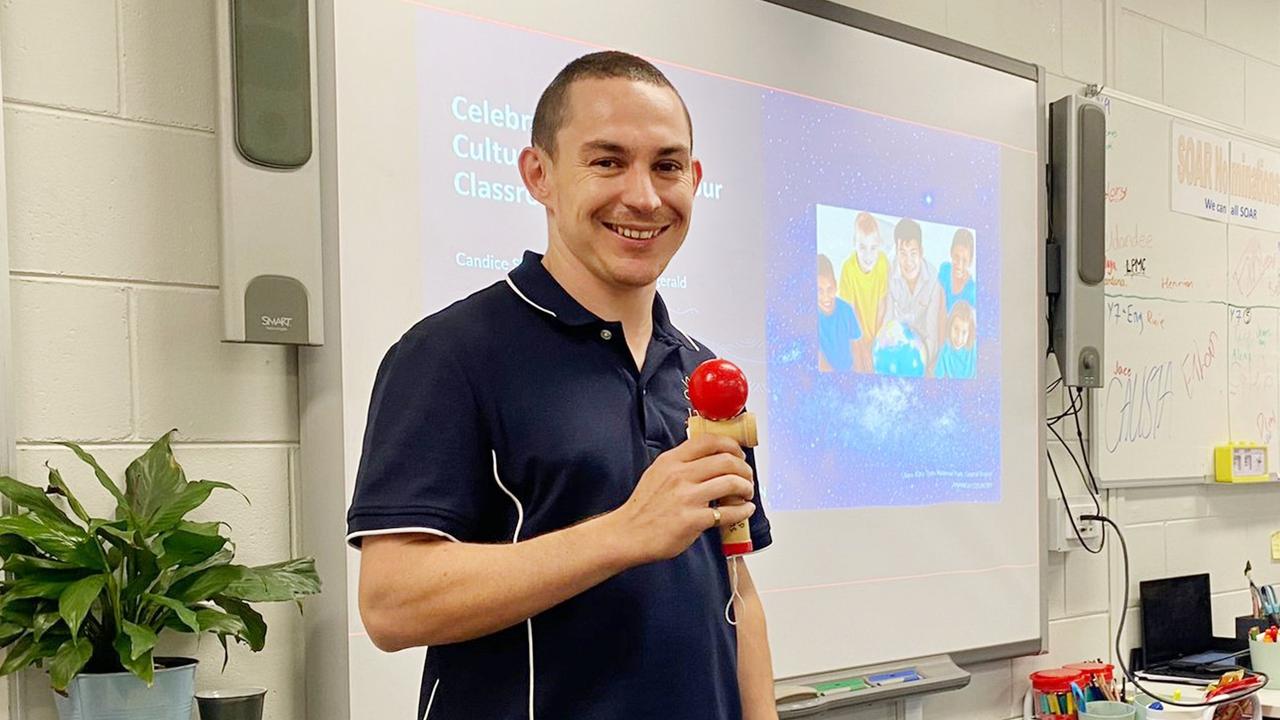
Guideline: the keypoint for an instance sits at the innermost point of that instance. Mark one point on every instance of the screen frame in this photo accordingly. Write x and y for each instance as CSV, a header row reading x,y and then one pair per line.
x,y
321,368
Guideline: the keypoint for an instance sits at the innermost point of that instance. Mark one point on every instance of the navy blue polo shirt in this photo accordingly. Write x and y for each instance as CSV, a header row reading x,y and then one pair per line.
x,y
517,412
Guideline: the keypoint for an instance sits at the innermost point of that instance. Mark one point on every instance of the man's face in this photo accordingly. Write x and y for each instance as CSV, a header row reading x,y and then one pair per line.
x,y
909,259
959,333
961,256
826,294
867,246
623,181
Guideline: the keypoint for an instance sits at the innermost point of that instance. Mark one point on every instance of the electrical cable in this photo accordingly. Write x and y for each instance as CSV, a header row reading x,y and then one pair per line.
x,y
1070,519
1084,448
1070,410
1093,493
1124,611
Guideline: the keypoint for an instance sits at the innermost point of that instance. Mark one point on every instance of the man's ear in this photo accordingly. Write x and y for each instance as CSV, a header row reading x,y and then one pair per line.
x,y
697,175
535,170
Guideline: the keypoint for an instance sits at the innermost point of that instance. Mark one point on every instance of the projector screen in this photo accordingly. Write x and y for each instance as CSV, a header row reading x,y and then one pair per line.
x,y
901,441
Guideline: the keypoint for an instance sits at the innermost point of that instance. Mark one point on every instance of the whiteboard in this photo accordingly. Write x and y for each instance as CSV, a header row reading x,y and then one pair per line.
x,y
1192,291
395,252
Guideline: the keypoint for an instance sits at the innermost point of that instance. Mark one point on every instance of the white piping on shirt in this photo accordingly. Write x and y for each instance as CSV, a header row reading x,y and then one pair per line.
x,y
536,306
523,297
516,537
396,531
434,688
691,342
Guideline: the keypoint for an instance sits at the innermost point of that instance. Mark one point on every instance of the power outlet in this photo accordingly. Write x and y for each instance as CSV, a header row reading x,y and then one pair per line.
x,y
1090,530
1062,537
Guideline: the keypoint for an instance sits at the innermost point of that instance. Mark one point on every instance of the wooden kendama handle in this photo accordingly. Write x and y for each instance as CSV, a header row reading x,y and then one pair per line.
x,y
741,428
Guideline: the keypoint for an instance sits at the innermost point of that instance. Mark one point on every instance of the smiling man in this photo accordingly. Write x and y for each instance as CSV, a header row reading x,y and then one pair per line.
x,y
526,504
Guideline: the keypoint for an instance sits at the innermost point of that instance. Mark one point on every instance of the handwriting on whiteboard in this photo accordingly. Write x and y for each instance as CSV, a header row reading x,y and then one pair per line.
x,y
1252,375
1256,270
1133,316
1135,406
1196,364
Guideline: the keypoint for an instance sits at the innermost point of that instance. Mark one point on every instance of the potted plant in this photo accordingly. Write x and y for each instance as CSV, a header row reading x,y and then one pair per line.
x,y
86,598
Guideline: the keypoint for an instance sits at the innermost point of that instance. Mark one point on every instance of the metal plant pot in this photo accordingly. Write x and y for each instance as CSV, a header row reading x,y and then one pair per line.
x,y
122,696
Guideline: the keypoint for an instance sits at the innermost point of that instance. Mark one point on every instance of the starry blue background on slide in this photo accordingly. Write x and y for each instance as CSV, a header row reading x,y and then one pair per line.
x,y
841,440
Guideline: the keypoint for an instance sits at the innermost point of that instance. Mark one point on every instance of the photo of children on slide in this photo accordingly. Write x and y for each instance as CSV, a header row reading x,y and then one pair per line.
x,y
895,296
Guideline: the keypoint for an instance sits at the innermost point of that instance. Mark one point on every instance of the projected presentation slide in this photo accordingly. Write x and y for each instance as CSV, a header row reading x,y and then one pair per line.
x,y
883,392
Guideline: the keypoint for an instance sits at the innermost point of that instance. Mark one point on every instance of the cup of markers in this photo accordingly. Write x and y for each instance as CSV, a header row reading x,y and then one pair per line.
x,y
1264,653
1101,681
1052,694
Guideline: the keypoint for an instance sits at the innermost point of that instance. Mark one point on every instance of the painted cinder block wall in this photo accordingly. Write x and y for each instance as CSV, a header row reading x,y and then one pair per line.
x,y
112,194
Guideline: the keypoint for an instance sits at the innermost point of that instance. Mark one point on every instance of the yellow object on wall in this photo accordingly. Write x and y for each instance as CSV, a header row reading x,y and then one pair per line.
x,y
1241,462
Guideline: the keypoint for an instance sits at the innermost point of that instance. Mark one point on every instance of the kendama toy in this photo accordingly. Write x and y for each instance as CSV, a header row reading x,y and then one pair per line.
x,y
718,394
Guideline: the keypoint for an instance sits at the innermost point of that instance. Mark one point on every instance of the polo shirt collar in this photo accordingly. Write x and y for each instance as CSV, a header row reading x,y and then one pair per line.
x,y
535,286
531,281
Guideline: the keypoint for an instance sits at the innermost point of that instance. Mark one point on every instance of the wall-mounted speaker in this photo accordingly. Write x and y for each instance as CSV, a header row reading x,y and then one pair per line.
x,y
270,175
1077,226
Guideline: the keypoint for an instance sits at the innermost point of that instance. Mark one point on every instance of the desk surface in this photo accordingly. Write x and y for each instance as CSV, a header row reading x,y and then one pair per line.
x,y
1270,698
1270,703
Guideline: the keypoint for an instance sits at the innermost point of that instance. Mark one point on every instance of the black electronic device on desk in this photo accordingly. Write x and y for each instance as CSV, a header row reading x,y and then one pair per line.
x,y
1177,632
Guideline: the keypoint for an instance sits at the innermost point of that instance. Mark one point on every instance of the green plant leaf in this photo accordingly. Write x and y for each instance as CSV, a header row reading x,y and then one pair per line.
x,y
20,654
27,650
36,587
143,571
43,622
255,627
75,601
15,545
137,641
10,632
185,615
60,487
33,499
154,478
220,558
53,541
27,573
226,652
189,497
69,661
189,544
114,531
216,621
21,611
207,583
122,503
278,582
67,543
140,665
26,564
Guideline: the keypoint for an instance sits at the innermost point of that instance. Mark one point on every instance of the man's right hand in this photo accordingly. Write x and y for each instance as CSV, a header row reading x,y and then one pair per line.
x,y
671,505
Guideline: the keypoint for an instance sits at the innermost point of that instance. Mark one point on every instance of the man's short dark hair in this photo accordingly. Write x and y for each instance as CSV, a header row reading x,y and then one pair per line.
x,y
907,231
553,107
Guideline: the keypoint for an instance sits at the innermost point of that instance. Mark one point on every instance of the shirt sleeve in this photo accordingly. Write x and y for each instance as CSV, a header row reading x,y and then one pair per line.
x,y
761,534
426,464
